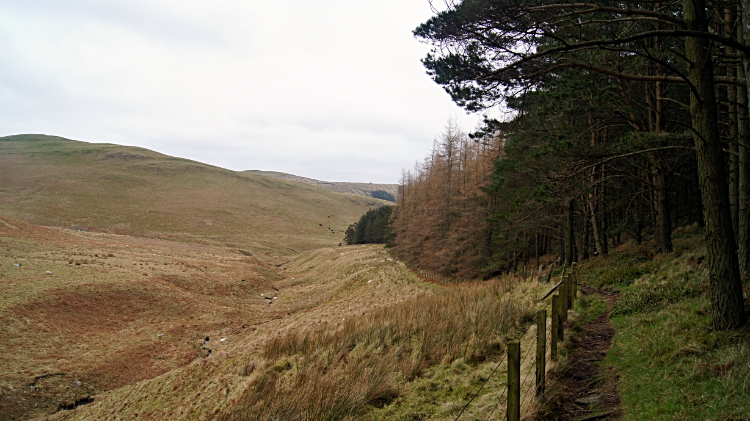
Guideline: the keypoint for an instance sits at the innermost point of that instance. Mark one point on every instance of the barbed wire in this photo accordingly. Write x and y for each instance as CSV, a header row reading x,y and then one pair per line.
x,y
548,348
523,401
527,352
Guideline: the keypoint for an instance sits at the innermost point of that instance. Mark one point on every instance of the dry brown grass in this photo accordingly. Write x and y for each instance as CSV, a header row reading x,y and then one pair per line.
x,y
98,322
186,250
338,371
350,327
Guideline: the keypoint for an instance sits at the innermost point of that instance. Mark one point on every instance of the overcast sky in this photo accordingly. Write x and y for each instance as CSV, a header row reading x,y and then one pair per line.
x,y
327,89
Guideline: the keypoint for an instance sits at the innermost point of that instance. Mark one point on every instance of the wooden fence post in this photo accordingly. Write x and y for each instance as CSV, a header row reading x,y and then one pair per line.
x,y
555,323
560,321
541,350
571,290
514,381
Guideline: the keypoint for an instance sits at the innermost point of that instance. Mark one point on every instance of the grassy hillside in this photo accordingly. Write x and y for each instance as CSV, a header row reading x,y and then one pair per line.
x,y
127,317
671,365
360,189
54,181
166,252
117,329
89,307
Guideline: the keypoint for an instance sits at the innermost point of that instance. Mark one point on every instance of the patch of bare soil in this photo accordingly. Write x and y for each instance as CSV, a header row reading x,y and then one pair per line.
x,y
587,390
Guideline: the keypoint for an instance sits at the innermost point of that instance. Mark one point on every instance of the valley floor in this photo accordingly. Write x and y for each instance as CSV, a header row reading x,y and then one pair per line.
x,y
93,318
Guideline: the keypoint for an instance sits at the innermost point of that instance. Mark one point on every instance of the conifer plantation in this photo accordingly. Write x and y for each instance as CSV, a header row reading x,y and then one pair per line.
x,y
441,220
627,121
372,227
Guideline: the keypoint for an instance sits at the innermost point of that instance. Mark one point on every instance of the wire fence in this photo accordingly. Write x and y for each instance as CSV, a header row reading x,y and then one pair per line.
x,y
561,303
482,387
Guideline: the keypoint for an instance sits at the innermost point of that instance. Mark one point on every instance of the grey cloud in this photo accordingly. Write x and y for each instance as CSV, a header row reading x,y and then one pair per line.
x,y
142,17
333,91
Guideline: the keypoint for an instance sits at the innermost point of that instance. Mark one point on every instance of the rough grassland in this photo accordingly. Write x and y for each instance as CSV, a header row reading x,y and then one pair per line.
x,y
49,180
112,323
172,251
97,318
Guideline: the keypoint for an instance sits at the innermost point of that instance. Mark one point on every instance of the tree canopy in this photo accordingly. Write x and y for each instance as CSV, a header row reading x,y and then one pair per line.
x,y
382,194
372,227
628,116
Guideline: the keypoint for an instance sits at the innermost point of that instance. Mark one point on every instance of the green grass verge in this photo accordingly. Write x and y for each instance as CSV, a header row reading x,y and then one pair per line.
x,y
589,307
674,368
671,365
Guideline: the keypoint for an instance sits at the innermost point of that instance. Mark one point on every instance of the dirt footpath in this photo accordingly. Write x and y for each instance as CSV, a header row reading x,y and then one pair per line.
x,y
589,391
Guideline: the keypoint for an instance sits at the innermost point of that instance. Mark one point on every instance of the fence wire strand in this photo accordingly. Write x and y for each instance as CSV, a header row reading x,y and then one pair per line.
x,y
523,401
506,383
498,403
524,382
526,395
526,378
482,387
527,352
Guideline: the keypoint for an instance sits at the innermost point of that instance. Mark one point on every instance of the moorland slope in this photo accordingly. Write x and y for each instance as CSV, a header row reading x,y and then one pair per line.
x,y
124,327
119,262
360,189
53,181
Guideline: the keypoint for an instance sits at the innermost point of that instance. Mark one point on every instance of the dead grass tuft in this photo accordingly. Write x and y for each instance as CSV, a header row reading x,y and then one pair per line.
x,y
337,370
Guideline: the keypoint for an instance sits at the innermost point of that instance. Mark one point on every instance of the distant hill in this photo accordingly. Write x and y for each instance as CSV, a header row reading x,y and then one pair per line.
x,y
53,181
361,189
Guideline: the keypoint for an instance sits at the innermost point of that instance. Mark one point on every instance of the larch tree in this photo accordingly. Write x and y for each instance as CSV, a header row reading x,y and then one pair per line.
x,y
486,51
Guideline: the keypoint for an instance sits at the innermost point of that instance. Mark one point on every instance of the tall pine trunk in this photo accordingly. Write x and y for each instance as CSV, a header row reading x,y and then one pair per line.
x,y
743,224
727,307
662,223
585,232
734,172
569,233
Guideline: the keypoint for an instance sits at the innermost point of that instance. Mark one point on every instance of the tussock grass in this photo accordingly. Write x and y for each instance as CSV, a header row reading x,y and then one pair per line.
x,y
352,334
616,271
338,372
317,391
319,288
653,296
133,309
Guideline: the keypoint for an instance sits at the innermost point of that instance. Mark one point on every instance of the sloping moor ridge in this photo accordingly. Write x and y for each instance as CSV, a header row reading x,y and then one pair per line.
x,y
54,181
118,263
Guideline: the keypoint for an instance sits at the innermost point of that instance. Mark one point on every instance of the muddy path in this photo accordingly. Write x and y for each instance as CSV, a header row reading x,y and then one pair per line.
x,y
589,391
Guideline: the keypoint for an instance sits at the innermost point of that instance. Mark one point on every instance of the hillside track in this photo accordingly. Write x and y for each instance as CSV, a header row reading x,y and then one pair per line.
x,y
589,390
